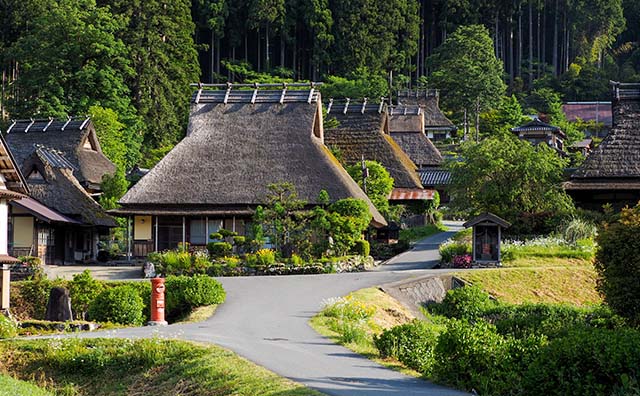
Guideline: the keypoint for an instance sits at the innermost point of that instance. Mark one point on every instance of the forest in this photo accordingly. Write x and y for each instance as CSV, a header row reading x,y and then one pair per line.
x,y
129,63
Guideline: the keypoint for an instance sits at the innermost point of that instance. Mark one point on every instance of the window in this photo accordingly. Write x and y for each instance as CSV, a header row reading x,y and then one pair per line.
x,y
197,231
214,226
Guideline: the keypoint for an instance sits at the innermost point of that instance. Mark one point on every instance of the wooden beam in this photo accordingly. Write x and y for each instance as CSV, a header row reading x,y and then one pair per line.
x,y
8,171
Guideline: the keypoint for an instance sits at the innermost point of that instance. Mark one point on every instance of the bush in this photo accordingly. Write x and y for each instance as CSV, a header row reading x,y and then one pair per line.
x,y
121,304
265,257
578,229
362,248
598,362
8,328
29,298
462,261
186,293
411,343
347,308
618,264
450,249
219,249
83,289
469,302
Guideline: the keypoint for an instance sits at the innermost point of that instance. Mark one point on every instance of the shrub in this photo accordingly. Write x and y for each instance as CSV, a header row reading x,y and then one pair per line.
x,y
450,249
83,289
618,264
174,262
121,304
462,261
577,229
29,298
200,262
297,260
347,308
411,343
186,293
598,362
469,302
239,240
219,249
362,247
265,257
8,328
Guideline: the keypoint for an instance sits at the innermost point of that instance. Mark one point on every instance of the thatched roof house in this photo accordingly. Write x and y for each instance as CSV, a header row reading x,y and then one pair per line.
x,y
363,132
611,173
406,125
238,142
75,137
436,125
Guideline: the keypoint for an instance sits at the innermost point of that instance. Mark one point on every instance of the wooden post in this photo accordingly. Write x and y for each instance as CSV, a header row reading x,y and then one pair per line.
x,y
156,238
129,238
206,230
5,277
184,233
473,244
499,243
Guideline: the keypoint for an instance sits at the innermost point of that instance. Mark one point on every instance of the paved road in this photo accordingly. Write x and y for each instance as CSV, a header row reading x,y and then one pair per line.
x,y
265,319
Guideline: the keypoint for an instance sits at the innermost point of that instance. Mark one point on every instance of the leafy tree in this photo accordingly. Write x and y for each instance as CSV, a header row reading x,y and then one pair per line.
x,y
348,219
500,120
546,101
511,178
467,71
113,188
378,184
357,85
618,264
121,147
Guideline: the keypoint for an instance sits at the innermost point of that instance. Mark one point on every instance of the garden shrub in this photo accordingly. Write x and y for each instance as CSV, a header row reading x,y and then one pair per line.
x,y
219,249
83,289
469,302
597,362
120,304
239,240
411,343
8,328
450,249
265,257
577,229
347,308
185,293
29,298
362,247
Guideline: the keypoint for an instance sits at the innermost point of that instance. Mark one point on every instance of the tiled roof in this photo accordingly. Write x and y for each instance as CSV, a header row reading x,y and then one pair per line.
x,y
434,176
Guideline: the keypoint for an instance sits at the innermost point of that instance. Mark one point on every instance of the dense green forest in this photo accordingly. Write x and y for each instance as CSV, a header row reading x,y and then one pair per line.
x,y
129,62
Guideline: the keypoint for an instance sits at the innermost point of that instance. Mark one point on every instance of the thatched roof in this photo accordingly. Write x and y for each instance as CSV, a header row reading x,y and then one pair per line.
x,y
363,131
428,100
233,151
75,137
52,183
615,163
406,124
14,180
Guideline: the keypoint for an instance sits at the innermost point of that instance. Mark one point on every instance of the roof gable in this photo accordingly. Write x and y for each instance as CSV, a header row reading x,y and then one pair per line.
x,y
428,100
12,174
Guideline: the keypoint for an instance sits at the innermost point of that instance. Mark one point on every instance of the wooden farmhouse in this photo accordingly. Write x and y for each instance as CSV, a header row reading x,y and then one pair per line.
x,y
363,133
60,222
611,173
436,125
538,132
238,142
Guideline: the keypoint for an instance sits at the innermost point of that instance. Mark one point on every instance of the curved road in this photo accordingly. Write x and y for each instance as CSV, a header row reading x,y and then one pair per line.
x,y
265,319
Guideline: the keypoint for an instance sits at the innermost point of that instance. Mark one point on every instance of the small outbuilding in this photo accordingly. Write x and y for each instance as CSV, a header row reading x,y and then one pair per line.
x,y
487,233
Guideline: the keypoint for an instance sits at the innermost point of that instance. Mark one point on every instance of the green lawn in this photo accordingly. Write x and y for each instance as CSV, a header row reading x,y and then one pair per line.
x,y
12,387
156,366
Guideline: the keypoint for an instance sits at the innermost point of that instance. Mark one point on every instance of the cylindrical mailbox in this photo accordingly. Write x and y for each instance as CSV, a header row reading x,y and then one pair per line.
x,y
5,275
157,303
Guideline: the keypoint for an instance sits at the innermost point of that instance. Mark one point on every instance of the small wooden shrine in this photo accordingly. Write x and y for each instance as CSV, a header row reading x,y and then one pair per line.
x,y
487,232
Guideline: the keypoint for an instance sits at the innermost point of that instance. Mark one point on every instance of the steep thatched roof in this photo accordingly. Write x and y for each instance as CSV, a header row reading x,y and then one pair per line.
x,y
363,131
75,137
233,151
615,163
406,124
52,183
428,100
14,180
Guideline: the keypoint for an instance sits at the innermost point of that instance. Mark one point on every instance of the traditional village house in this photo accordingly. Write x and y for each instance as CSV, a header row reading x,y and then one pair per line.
x,y
436,125
60,222
406,126
537,132
583,147
611,173
238,142
363,133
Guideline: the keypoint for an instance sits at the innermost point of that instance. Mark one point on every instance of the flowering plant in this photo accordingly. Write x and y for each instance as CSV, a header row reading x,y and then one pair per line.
x,y
462,261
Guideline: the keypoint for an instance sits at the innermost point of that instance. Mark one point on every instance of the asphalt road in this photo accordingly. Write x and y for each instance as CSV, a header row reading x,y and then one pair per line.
x,y
265,319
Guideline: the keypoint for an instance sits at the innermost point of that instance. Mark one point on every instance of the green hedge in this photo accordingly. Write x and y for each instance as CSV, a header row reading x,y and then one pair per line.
x,y
121,304
8,328
185,293
468,302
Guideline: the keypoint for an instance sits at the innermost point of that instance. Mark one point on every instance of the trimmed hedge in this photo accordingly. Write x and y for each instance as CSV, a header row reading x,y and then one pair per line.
x,y
468,302
362,248
121,304
185,293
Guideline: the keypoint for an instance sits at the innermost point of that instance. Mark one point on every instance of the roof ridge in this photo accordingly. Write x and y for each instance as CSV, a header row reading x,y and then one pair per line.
x,y
231,93
47,121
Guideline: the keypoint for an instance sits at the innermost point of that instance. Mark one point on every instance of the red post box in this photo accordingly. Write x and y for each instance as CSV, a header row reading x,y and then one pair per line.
x,y
157,302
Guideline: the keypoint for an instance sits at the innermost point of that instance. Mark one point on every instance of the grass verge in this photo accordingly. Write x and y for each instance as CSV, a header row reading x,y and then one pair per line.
x,y
106,367
10,386
374,312
416,233
573,284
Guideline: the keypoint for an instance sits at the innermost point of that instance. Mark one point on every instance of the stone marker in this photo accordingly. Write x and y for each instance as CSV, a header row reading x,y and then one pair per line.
x,y
59,305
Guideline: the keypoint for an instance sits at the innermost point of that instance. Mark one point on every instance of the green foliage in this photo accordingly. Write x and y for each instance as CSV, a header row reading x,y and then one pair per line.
x,y
113,188
219,249
378,185
466,69
499,120
119,145
186,293
121,304
411,343
577,229
450,249
29,298
469,302
19,388
359,84
83,289
586,363
8,328
513,179
348,219
362,247
618,264
416,233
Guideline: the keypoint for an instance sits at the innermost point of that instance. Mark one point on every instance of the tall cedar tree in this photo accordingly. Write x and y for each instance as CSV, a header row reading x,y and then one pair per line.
x,y
159,36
